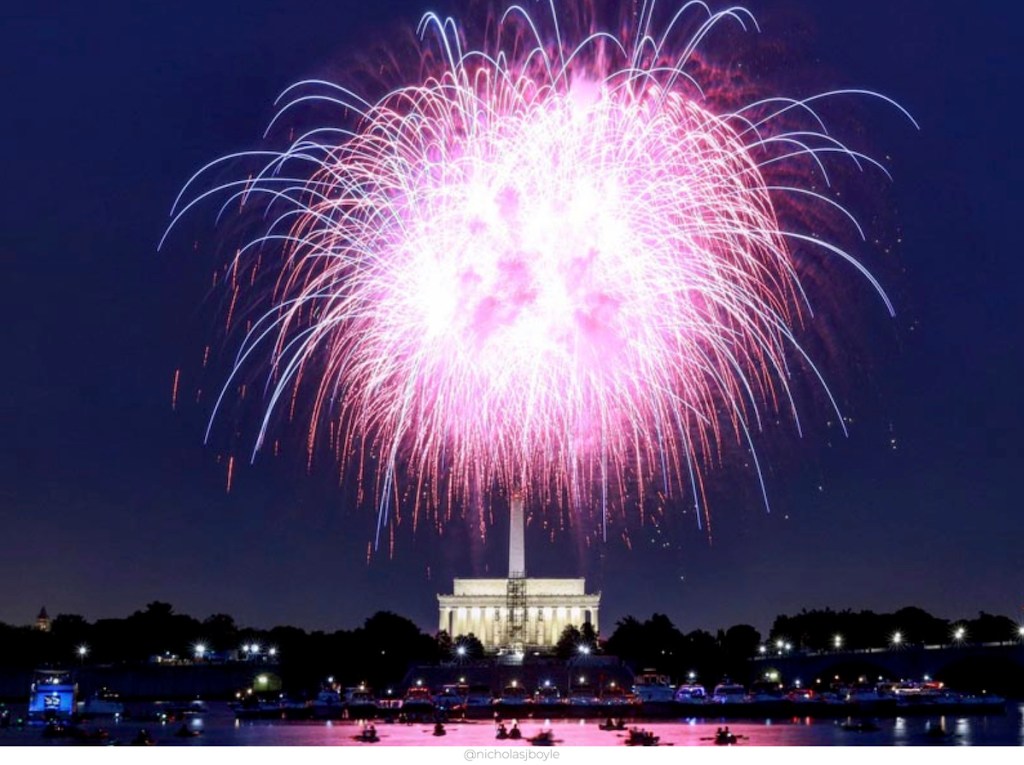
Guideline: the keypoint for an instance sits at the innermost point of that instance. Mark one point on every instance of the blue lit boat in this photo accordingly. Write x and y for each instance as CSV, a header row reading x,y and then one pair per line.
x,y
53,696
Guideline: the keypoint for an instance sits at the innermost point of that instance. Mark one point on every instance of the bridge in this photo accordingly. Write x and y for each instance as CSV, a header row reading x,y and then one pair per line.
x,y
966,666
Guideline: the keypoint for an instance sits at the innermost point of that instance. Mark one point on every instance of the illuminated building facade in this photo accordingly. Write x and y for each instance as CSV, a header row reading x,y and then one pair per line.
x,y
517,613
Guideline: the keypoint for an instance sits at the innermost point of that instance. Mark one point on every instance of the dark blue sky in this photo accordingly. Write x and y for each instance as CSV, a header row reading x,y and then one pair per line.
x,y
108,499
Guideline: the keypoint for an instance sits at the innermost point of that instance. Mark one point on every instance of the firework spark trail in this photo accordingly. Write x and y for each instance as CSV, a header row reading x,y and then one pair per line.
x,y
549,264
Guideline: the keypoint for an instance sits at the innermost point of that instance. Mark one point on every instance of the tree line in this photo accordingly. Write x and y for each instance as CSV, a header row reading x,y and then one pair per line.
x,y
381,650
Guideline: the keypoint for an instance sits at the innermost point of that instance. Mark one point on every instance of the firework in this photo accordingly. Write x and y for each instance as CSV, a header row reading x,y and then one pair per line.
x,y
549,262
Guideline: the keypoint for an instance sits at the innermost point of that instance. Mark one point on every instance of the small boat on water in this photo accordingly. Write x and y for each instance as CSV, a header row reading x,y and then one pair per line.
x,y
368,735
725,737
641,737
544,738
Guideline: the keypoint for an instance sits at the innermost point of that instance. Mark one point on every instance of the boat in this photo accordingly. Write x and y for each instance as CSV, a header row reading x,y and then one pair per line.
x,y
53,695
479,697
417,701
548,696
652,687
360,702
103,703
691,693
368,735
729,693
725,737
452,697
253,707
513,695
766,692
615,695
802,696
544,738
328,705
641,737
583,695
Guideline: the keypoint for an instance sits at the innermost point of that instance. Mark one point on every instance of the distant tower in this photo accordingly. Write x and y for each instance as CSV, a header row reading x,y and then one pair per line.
x,y
515,590
516,539
43,620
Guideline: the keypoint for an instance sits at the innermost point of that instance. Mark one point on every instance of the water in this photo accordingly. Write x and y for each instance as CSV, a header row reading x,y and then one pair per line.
x,y
219,727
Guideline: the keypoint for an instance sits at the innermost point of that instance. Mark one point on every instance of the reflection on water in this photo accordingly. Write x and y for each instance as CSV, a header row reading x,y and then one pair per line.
x,y
219,727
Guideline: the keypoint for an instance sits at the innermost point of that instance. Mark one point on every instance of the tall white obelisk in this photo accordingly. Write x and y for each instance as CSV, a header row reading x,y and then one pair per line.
x,y
516,538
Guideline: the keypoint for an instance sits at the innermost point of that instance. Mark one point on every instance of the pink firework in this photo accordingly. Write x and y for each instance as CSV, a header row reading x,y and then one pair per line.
x,y
548,264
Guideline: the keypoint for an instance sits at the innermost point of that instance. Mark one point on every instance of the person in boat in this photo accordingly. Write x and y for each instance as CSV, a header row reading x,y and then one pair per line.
x,y
439,729
725,736
502,732
515,733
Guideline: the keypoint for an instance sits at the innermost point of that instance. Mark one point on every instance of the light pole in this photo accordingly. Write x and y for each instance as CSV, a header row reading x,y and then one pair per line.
x,y
82,651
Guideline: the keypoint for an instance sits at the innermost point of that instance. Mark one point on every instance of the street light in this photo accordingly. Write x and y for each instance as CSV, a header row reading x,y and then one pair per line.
x,y
691,675
897,638
272,653
585,650
1020,632
959,634
762,649
837,641
82,651
199,650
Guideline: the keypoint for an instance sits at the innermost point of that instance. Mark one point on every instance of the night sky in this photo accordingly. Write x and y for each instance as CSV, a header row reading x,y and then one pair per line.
x,y
109,499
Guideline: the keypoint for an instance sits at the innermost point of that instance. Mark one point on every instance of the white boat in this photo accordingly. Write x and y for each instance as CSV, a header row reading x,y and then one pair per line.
x,y
729,693
691,693
652,687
